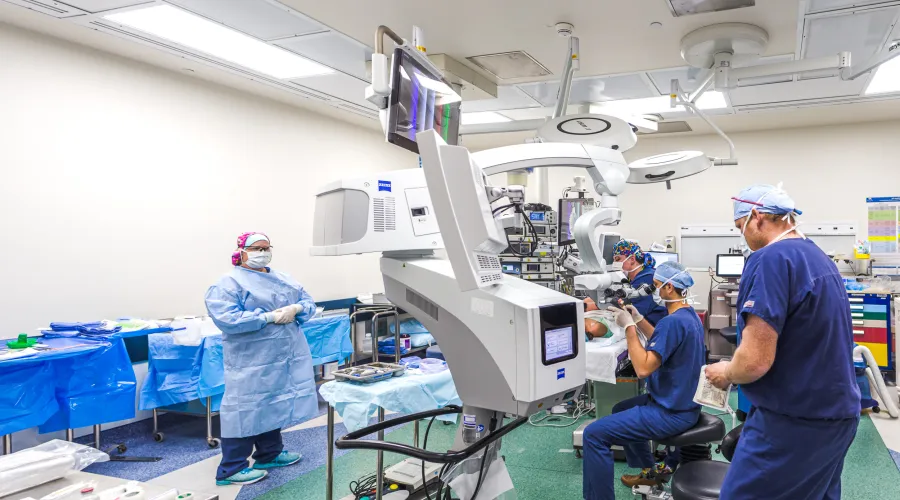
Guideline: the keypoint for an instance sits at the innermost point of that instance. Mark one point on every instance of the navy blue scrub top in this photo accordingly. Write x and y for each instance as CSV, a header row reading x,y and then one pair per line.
x,y
645,305
795,288
678,340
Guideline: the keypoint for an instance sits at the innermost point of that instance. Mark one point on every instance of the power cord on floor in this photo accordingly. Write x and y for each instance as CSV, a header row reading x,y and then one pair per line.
x,y
546,419
363,486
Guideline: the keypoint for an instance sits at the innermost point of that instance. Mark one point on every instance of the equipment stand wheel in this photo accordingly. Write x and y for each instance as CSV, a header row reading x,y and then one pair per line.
x,y
213,442
159,437
578,453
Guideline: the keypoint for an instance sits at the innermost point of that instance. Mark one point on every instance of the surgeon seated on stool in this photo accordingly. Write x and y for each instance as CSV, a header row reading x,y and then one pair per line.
x,y
671,364
638,268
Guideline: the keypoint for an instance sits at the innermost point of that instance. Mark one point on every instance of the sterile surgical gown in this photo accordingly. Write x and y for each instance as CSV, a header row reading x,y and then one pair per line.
x,y
268,367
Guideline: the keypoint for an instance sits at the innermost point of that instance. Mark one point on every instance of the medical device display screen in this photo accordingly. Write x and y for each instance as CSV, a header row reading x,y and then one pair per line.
x,y
536,216
420,100
559,333
609,247
729,266
661,257
570,209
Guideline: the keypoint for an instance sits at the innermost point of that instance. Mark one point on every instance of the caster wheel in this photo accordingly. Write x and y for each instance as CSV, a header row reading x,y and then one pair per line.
x,y
121,448
876,409
213,443
447,423
578,453
159,437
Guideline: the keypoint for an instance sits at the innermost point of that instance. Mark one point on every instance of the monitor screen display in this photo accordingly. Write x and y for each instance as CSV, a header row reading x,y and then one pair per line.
x,y
609,246
536,216
569,212
661,257
420,100
729,266
558,343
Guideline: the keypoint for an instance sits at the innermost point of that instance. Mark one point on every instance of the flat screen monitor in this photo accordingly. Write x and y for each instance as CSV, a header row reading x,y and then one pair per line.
x,y
609,246
420,100
729,265
570,209
661,257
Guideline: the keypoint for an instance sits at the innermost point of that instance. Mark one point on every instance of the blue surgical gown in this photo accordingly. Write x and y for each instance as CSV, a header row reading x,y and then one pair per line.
x,y
269,380
805,409
650,310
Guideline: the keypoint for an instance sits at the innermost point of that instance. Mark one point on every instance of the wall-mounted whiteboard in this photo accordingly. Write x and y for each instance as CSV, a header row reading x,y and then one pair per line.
x,y
699,244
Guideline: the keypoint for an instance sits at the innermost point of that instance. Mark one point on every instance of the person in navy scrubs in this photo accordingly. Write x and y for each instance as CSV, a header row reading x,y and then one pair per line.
x,y
794,362
671,364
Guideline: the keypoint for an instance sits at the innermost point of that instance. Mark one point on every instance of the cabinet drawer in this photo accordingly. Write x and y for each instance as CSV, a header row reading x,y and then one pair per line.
x,y
870,335
879,352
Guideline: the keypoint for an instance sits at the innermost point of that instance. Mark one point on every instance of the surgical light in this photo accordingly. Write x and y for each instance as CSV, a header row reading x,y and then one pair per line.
x,y
886,78
218,41
478,118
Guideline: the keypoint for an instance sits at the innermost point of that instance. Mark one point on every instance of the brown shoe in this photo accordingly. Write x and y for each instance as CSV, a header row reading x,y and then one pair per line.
x,y
642,479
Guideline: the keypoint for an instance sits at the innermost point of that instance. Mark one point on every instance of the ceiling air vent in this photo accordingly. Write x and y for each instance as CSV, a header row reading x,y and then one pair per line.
x,y
690,7
510,65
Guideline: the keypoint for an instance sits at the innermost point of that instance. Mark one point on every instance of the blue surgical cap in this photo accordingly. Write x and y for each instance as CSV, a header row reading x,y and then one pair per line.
x,y
675,273
765,199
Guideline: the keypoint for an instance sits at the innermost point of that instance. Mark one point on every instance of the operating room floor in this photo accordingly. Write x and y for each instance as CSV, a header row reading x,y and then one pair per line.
x,y
540,460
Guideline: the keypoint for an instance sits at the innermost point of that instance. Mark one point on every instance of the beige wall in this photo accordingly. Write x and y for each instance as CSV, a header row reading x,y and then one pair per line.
x,y
124,186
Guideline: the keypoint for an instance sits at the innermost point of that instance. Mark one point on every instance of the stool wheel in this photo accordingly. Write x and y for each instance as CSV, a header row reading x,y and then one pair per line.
x,y
159,437
213,443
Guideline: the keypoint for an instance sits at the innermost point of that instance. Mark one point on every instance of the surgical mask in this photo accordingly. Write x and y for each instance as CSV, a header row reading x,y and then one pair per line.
x,y
259,260
687,299
616,266
633,269
656,298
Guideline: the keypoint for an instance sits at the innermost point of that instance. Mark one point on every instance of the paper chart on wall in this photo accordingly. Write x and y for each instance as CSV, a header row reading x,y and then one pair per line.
x,y
884,225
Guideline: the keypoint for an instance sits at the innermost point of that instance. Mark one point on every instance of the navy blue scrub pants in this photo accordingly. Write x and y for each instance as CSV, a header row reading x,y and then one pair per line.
x,y
780,457
236,451
633,424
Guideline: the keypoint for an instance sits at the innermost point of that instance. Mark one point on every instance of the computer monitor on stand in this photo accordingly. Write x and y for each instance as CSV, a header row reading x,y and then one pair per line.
x,y
730,267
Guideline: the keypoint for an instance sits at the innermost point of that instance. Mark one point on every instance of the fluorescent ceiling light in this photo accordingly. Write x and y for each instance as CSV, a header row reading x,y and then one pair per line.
x,y
886,78
483,117
195,32
661,104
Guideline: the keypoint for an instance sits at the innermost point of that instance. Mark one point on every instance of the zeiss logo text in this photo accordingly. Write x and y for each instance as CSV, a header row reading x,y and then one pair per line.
x,y
384,186
561,373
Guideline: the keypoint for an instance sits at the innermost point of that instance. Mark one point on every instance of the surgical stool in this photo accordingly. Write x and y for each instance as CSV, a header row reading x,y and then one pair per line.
x,y
698,479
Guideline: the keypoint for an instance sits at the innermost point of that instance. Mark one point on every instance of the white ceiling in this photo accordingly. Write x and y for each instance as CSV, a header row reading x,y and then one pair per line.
x,y
616,39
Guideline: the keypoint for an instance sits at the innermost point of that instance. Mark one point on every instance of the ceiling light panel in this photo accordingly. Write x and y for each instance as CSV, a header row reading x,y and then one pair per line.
x,y
338,85
510,65
95,6
689,7
199,34
862,33
482,118
258,18
886,79
817,6
508,97
332,49
592,89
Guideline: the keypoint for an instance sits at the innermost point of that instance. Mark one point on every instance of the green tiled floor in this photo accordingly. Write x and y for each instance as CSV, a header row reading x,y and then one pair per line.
x,y
542,466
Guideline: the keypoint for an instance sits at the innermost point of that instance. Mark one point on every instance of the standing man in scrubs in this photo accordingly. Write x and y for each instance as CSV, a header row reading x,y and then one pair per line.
x,y
269,380
671,364
794,362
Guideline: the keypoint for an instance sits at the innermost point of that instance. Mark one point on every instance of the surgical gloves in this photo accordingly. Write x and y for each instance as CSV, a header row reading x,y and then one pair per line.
x,y
635,314
623,318
287,314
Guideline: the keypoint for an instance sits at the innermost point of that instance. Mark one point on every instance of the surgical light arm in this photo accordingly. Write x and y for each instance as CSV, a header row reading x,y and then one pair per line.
x,y
678,98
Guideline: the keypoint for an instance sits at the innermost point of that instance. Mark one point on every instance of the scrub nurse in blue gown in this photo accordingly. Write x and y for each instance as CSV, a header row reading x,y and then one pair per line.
x,y
269,380
794,362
